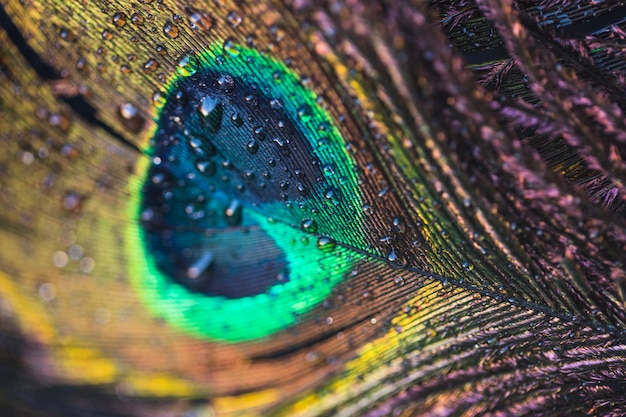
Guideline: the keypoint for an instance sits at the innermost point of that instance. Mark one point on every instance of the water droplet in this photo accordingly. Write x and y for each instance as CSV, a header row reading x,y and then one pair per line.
x,y
159,100
206,167
60,259
201,21
211,111
234,18
277,76
67,35
130,117
128,111
325,243
137,19
236,119
392,257
332,196
329,170
309,225
119,19
282,144
252,146
107,35
276,104
231,49
399,226
180,96
47,292
170,30
73,202
304,113
161,50
186,65
259,132
233,213
151,65
302,189
200,265
225,82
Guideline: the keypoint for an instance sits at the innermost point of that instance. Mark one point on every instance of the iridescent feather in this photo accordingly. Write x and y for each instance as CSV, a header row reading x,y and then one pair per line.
x,y
299,208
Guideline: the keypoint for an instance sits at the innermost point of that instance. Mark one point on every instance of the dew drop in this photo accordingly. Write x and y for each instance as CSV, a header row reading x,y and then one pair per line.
x,y
234,18
225,82
186,65
107,35
206,167
161,50
309,225
130,117
151,65
332,196
259,132
276,104
201,21
200,265
170,30
47,292
236,119
119,19
329,170
231,49
399,226
302,189
304,114
210,109
159,100
233,213
325,243
252,146
137,19
282,145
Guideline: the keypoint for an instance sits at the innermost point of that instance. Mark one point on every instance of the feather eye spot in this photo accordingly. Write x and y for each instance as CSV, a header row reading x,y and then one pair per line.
x,y
235,187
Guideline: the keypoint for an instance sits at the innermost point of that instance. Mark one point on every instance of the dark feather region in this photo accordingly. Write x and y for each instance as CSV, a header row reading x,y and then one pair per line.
x,y
223,148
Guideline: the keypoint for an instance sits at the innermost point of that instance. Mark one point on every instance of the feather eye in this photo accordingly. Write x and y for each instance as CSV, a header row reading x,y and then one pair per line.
x,y
311,209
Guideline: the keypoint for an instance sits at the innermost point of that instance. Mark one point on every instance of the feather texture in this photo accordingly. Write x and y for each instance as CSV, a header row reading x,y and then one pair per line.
x,y
312,208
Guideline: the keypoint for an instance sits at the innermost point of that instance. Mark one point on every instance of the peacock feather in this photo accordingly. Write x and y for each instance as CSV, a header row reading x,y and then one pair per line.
x,y
298,208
